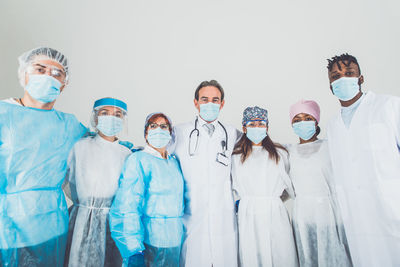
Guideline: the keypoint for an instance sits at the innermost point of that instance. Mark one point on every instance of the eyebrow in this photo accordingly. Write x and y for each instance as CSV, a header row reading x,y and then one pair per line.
x,y
37,64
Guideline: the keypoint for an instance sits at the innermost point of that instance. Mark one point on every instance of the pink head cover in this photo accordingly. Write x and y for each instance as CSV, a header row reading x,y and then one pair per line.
x,y
305,106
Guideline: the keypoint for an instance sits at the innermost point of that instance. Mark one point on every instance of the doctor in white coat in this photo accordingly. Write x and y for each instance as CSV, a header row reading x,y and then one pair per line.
x,y
364,140
204,147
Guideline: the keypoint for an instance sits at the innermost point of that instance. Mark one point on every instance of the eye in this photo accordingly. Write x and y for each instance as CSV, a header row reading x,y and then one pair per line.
x,y
349,73
55,73
308,119
296,120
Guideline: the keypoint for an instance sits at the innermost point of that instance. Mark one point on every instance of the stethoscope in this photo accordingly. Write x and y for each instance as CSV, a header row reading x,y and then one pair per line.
x,y
224,143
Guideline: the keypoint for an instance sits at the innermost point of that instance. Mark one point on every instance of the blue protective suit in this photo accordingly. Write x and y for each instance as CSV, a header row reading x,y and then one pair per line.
x,y
148,207
34,147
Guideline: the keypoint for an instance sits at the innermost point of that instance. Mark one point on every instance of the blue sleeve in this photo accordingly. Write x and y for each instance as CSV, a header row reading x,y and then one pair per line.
x,y
126,211
77,129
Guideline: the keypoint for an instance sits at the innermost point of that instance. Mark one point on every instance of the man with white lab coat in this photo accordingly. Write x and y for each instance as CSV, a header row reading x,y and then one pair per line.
x,y
364,142
204,147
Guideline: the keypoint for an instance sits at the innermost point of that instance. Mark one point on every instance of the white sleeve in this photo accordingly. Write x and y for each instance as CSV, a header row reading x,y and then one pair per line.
x,y
396,118
235,182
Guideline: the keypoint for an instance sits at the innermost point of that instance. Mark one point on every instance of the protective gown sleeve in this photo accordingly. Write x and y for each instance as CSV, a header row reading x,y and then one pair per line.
x,y
70,174
396,119
285,167
125,214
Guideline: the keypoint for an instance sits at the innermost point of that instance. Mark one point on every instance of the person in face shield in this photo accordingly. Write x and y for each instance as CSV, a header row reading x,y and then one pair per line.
x,y
259,180
94,167
317,223
35,141
364,142
146,215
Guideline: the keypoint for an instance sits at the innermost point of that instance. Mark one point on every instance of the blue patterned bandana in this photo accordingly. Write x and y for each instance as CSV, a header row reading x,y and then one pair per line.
x,y
252,113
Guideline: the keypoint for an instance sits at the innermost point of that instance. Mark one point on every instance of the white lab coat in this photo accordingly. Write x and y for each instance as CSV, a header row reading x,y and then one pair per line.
x,y
366,164
94,168
209,219
265,232
317,222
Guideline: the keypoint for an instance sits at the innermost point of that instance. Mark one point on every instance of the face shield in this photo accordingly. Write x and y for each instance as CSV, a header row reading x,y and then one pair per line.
x,y
110,118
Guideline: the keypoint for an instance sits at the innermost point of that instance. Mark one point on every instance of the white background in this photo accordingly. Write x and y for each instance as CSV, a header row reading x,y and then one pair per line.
x,y
153,54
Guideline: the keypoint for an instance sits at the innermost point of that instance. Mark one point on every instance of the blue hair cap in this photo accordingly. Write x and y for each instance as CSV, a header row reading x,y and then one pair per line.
x,y
109,101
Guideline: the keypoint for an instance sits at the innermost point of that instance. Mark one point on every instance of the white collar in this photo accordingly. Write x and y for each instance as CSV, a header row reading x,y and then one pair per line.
x,y
148,149
104,141
203,122
355,104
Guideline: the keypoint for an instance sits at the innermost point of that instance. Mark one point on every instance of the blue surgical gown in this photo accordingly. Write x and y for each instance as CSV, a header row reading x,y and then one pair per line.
x,y
34,147
148,206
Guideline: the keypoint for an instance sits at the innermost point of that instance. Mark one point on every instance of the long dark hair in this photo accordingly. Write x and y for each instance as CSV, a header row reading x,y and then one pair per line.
x,y
244,147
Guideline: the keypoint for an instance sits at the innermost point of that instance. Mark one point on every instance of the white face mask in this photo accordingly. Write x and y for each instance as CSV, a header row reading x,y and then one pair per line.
x,y
109,125
158,138
209,111
346,88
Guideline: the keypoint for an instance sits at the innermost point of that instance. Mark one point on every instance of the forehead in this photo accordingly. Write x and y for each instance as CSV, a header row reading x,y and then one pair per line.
x,y
110,109
303,115
341,66
257,119
42,60
159,120
210,92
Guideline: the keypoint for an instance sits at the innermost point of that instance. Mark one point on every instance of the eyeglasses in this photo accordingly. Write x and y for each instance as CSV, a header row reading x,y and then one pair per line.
x,y
257,123
163,126
47,69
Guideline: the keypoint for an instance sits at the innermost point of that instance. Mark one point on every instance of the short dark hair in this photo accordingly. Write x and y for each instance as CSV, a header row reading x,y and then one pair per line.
x,y
209,83
346,59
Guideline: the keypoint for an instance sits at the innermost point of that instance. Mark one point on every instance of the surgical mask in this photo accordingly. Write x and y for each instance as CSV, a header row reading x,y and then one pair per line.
x,y
256,134
209,111
158,138
345,88
43,88
109,125
304,129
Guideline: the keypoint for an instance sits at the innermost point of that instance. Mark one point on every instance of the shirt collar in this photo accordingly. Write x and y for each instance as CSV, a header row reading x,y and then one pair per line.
x,y
104,141
354,105
202,122
148,149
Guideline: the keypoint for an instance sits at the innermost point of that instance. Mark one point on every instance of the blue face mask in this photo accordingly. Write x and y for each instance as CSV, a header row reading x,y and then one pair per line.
x,y
304,129
345,88
209,111
256,134
109,125
43,88
158,138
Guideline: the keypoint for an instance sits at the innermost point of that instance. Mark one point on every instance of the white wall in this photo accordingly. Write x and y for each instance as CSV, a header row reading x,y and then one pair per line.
x,y
153,54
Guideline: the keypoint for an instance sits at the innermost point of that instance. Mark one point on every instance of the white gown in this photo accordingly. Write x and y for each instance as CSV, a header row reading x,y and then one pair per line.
x,y
366,164
317,222
94,168
209,219
265,232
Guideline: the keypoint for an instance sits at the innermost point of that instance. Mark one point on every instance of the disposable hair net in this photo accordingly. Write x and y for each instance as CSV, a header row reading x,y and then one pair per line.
x,y
29,57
